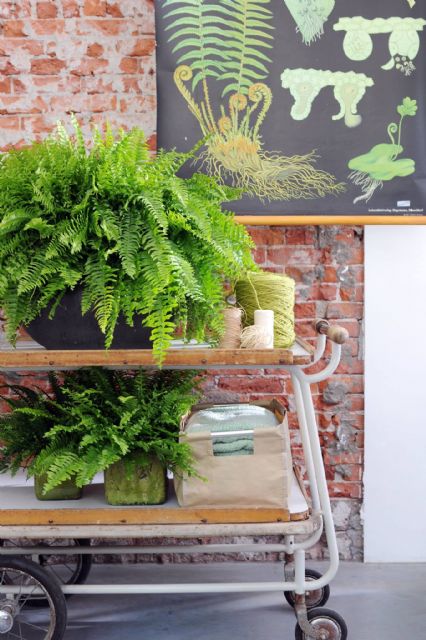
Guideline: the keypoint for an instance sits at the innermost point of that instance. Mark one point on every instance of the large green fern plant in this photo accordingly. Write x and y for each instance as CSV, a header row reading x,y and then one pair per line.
x,y
137,238
109,414
94,417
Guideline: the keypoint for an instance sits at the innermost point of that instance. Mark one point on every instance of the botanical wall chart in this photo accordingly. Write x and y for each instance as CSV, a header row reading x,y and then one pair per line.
x,y
312,107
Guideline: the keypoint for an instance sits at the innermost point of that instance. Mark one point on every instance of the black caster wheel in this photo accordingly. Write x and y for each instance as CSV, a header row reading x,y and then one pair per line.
x,y
28,581
332,626
68,569
317,598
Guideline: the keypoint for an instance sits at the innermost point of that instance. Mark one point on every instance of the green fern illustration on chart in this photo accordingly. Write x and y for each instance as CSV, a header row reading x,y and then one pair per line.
x,y
229,42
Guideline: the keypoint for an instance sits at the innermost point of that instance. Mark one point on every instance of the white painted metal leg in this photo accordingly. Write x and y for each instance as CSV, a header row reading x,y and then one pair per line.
x,y
299,571
322,487
304,435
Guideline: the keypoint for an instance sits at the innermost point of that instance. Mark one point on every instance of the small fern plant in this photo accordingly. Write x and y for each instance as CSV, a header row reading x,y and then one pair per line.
x,y
105,216
109,414
32,413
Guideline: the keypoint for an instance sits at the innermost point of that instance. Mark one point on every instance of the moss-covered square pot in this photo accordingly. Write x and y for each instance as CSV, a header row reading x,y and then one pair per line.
x,y
136,479
68,490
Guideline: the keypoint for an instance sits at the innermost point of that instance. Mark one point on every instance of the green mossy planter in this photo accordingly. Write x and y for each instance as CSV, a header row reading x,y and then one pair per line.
x,y
68,490
136,480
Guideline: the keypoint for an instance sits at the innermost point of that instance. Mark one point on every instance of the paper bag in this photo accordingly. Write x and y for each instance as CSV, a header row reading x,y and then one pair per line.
x,y
259,480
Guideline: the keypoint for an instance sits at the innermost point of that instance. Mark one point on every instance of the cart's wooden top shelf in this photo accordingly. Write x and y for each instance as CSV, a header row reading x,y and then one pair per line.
x,y
301,353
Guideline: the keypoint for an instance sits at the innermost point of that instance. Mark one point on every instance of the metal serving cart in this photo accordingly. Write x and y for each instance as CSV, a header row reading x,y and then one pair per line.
x,y
45,546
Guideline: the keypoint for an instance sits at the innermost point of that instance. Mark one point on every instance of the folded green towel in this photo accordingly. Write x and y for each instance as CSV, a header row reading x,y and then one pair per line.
x,y
233,446
234,417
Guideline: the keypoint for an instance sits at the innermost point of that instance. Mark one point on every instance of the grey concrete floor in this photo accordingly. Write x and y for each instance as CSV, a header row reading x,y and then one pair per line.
x,y
377,602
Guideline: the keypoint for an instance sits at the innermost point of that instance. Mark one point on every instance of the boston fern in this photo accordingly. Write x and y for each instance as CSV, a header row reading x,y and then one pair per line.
x,y
108,414
109,218
32,413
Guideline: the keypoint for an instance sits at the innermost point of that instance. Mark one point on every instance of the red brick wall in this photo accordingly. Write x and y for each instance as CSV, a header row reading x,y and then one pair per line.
x,y
91,57
96,58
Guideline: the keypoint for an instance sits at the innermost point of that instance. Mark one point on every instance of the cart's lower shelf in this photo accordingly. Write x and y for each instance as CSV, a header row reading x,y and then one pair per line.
x,y
19,507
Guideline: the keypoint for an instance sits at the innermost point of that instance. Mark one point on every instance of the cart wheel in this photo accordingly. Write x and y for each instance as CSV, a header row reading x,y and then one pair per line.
x,y
67,569
18,618
327,621
317,598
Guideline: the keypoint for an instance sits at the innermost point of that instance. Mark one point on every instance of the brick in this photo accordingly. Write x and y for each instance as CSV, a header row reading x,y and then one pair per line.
x,y
47,66
54,83
140,104
5,85
330,274
9,122
328,291
344,489
21,104
294,256
101,102
14,29
142,47
265,236
70,8
104,83
95,50
352,294
13,10
46,10
336,310
304,329
343,457
129,65
249,384
106,26
351,366
94,8
37,124
299,236
48,27
152,142
113,9
305,310
131,85
90,66
20,47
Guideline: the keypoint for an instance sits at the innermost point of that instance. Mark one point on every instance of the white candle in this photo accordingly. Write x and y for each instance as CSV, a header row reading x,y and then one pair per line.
x,y
265,320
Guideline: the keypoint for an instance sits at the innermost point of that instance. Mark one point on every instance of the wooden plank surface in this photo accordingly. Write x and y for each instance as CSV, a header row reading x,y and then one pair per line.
x,y
17,359
300,220
19,507
305,527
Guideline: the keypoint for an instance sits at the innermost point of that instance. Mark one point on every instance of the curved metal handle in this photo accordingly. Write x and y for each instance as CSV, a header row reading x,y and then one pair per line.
x,y
336,334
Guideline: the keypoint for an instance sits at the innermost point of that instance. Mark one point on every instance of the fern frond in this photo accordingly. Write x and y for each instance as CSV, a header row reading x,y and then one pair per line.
x,y
248,27
100,280
197,31
129,242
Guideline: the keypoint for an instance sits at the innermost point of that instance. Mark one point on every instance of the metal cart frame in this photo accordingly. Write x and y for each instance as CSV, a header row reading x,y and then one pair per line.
x,y
297,536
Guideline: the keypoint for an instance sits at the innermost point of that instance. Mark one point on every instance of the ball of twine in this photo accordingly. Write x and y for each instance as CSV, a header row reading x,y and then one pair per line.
x,y
254,338
263,290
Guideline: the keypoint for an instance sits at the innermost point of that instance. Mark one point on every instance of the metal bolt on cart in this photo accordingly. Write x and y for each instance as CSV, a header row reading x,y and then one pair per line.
x,y
45,550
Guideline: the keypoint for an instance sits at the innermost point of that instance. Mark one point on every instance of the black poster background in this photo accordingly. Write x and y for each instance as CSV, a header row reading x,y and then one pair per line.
x,y
334,142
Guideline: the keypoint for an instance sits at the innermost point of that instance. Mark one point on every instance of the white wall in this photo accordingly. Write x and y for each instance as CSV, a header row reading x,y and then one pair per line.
x,y
395,430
